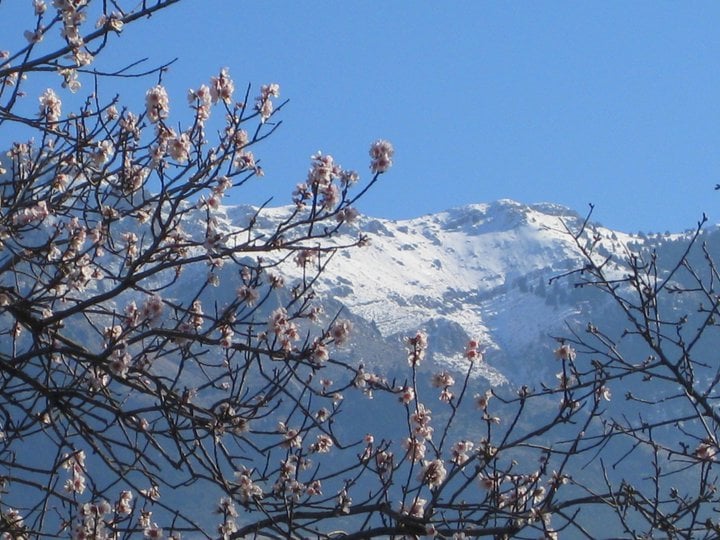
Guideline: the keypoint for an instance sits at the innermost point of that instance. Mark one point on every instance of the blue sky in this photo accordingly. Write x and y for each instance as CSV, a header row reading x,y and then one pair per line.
x,y
614,103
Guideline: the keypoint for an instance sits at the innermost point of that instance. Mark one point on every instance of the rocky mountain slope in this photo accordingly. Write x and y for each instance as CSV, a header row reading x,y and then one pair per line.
x,y
481,271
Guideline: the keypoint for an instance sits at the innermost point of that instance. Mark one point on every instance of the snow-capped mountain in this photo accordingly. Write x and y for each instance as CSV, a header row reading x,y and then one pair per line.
x,y
480,271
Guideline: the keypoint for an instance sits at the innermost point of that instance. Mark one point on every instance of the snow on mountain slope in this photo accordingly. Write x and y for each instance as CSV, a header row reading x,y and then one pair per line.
x,y
441,265
479,271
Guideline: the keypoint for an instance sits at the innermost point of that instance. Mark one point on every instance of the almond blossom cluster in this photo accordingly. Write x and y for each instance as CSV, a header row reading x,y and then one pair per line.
x,y
222,87
92,521
414,449
247,489
520,492
406,394
417,347
50,106
33,214
433,473
420,422
75,464
284,329
114,21
322,445
415,509
367,382
226,508
460,451
14,524
444,381
288,486
707,451
319,352
321,183
157,103
381,154
421,431
201,101
565,353
340,332
264,104
472,351
248,295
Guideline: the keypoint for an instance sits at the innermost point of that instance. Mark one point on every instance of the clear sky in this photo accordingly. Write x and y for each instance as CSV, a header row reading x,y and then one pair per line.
x,y
615,103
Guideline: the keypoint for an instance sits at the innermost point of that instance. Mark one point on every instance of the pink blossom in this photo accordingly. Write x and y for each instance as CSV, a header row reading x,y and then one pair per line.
x,y
157,103
322,415
103,153
248,295
381,154
196,311
247,489
276,281
201,99
433,473
322,445
706,451
414,448
420,421
263,104
226,336
50,106
315,488
460,450
407,394
349,178
340,332
344,502
301,194
179,148
152,310
603,392
293,439
347,215
330,197
482,400
37,212
565,352
278,320
34,36
124,504
222,87
153,532
442,380
152,493
322,171
416,509
75,484
227,507
489,483
416,346
245,161
120,363
472,352
113,22
320,353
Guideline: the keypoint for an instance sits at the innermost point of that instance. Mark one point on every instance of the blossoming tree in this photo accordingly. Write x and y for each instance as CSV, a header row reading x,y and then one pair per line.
x,y
139,397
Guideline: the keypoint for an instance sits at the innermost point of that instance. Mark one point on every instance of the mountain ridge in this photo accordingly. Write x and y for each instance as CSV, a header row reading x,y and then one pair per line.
x,y
480,271
474,271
